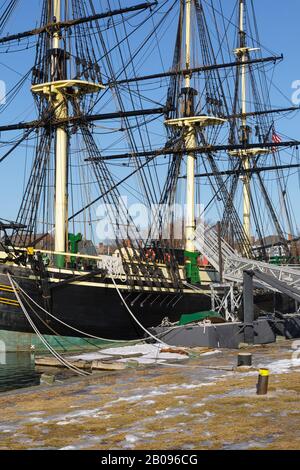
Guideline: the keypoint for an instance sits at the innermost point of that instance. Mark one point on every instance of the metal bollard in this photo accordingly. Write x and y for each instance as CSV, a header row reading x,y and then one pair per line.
x,y
244,360
248,307
263,382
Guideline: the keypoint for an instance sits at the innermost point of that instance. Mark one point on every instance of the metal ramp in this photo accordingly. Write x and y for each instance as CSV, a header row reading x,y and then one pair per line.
x,y
207,242
280,286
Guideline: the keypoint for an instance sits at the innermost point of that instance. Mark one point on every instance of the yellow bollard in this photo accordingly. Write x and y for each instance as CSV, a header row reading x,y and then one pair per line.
x,y
263,382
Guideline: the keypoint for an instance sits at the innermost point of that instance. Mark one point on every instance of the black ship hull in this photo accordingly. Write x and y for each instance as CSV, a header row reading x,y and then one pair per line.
x,y
93,308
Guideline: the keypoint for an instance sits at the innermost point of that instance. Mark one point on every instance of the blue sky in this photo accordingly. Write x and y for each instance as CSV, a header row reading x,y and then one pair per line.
x,y
279,31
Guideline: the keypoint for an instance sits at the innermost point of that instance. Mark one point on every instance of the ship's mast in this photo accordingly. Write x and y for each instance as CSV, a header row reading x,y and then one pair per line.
x,y
191,125
61,151
247,151
57,91
190,142
244,130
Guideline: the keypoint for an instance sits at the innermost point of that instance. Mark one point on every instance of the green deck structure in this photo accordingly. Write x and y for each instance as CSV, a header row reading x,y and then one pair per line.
x,y
191,267
199,316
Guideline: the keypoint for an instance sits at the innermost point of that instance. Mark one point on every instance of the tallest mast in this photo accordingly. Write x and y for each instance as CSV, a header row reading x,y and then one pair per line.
x,y
245,155
243,50
61,150
188,123
190,139
191,125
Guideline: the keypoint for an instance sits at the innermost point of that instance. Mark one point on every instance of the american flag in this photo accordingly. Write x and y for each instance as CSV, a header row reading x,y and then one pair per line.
x,y
276,139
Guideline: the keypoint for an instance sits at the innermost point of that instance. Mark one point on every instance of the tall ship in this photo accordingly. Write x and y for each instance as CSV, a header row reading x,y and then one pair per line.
x,y
142,125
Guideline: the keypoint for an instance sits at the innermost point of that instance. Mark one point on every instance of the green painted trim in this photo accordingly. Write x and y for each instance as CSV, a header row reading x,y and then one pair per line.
x,y
60,262
191,267
11,341
73,245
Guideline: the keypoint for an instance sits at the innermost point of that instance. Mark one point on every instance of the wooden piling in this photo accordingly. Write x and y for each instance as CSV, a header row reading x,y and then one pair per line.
x,y
244,360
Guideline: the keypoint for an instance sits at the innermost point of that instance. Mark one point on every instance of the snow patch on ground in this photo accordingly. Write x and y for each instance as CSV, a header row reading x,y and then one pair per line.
x,y
149,402
210,353
36,420
66,421
75,416
150,353
198,405
131,438
282,366
191,386
162,390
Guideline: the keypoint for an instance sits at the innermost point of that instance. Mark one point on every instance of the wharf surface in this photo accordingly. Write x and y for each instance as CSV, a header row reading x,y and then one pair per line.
x,y
199,403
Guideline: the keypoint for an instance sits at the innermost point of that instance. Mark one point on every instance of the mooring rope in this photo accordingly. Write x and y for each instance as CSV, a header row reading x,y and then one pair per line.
x,y
134,317
149,335
61,359
72,327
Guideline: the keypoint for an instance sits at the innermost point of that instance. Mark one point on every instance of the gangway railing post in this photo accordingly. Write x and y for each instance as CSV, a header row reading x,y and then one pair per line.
x,y
248,307
220,252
